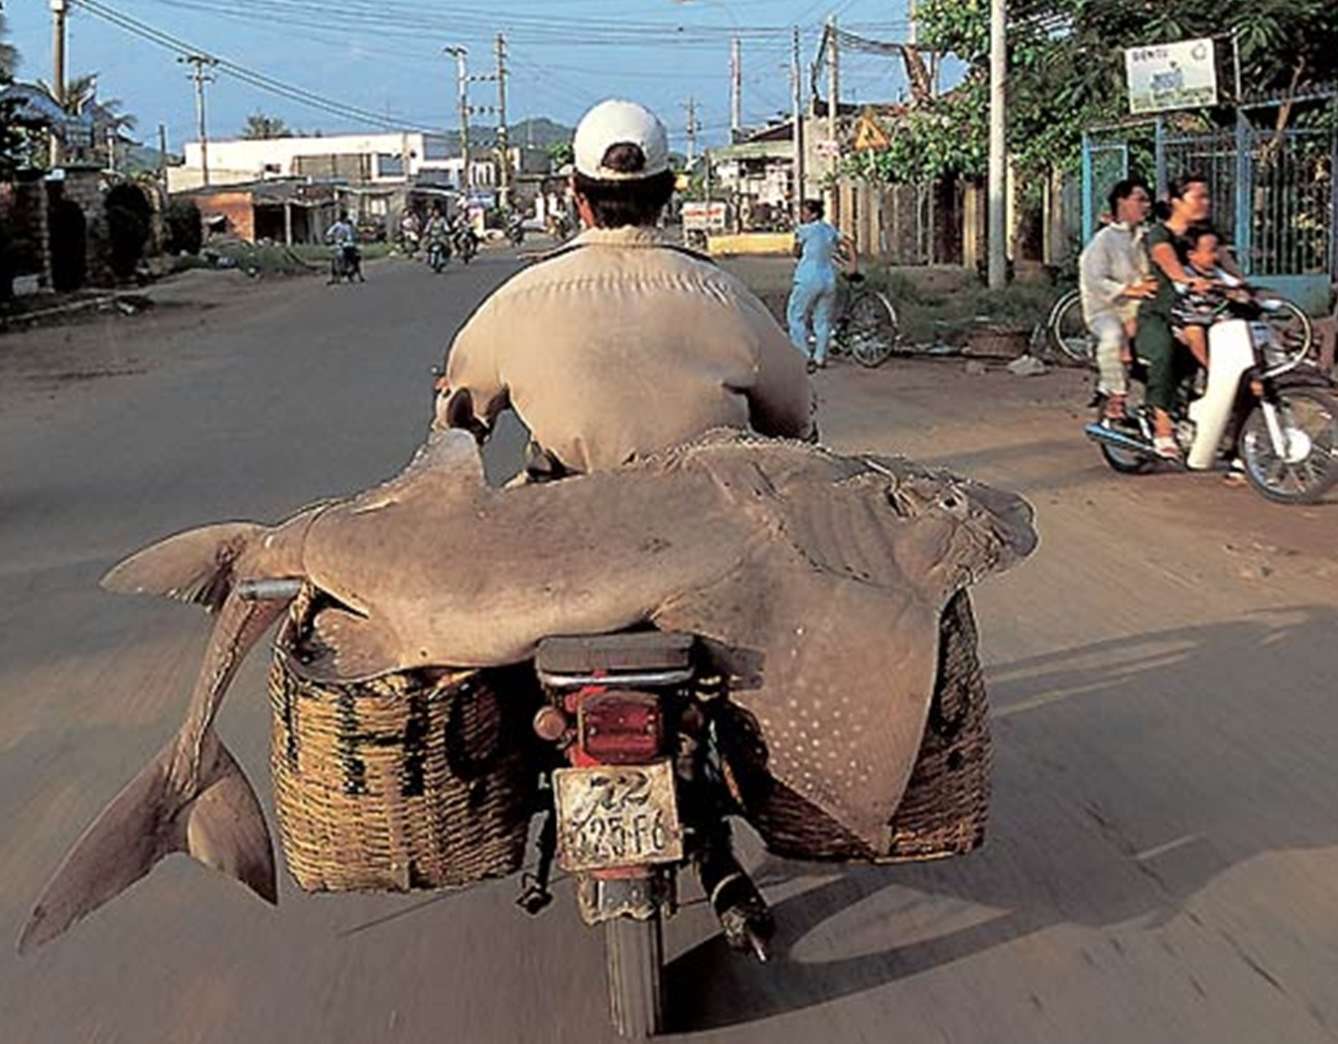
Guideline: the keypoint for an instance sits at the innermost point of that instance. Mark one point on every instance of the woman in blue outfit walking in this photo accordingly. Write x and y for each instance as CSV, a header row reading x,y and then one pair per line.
x,y
820,248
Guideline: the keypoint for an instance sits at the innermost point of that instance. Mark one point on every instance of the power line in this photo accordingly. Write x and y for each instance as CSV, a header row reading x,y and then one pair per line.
x,y
238,72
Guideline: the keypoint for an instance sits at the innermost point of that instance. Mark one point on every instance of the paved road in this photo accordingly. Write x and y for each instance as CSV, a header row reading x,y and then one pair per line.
x,y
1164,841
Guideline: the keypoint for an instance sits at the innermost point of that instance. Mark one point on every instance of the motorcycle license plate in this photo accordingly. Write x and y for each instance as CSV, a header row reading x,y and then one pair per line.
x,y
616,816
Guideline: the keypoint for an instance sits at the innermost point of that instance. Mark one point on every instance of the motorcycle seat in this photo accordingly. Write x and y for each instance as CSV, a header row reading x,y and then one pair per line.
x,y
614,653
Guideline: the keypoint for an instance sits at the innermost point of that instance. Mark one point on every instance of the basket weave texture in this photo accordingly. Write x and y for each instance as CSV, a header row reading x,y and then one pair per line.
x,y
412,781
946,804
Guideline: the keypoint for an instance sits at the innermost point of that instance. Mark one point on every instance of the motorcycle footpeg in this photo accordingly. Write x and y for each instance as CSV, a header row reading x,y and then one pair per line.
x,y
534,895
745,919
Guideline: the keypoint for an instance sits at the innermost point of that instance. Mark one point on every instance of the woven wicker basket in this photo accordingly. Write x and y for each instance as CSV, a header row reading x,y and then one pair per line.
x,y
944,809
416,780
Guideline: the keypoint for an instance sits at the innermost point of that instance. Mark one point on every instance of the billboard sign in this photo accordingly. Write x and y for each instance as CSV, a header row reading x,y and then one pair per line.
x,y
706,217
1171,76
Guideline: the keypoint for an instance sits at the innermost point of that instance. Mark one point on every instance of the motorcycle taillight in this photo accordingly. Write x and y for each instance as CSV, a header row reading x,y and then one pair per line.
x,y
621,728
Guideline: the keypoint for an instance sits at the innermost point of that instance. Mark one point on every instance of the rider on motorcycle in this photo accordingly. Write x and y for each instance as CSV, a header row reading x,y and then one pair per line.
x,y
410,230
1113,279
438,229
1155,341
620,344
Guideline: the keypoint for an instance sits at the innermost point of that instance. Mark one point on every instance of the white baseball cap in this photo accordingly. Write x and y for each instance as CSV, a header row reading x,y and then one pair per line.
x,y
618,122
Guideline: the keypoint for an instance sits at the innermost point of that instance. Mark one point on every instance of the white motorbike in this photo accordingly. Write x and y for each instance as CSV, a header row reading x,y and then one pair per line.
x,y
1261,404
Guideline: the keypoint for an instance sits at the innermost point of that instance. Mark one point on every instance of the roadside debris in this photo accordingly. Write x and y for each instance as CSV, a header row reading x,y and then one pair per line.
x,y
1027,366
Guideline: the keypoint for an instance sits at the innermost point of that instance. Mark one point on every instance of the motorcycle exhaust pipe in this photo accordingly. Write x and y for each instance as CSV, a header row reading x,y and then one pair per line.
x,y
1100,433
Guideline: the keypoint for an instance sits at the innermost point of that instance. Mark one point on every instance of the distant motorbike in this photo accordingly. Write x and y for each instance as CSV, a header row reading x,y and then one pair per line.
x,y
515,231
438,253
346,264
1261,403
466,243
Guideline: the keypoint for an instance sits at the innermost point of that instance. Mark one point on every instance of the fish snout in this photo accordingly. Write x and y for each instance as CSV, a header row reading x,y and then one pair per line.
x,y
1011,518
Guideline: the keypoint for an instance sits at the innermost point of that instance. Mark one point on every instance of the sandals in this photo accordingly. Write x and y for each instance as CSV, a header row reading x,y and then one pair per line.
x,y
1167,448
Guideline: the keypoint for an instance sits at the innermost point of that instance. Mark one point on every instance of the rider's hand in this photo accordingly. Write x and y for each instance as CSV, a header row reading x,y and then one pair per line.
x,y
1140,289
1201,286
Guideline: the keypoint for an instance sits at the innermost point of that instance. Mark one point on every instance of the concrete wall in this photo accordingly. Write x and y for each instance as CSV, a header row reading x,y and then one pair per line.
x,y
279,154
237,207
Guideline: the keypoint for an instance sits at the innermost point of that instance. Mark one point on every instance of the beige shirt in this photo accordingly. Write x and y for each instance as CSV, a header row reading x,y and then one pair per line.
x,y
619,346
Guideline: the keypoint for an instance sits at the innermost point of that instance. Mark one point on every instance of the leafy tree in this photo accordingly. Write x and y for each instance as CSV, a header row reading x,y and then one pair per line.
x,y
260,127
561,153
1066,72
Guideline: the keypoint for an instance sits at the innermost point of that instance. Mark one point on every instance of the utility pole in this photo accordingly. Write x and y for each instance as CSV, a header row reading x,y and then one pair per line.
x,y
797,85
998,267
692,132
58,13
833,104
735,90
162,156
503,139
200,62
462,86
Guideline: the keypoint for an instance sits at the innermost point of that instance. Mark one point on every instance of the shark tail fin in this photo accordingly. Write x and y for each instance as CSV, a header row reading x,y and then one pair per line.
x,y
217,821
195,566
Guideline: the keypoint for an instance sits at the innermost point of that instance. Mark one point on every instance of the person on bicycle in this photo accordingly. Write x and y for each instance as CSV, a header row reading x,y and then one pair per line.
x,y
820,248
1113,278
620,344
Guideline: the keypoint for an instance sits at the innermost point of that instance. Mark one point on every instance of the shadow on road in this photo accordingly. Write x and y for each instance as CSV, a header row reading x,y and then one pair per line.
x,y
1129,775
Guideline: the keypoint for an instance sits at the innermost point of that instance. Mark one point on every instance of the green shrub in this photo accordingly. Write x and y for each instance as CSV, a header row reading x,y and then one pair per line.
x,y
129,218
185,227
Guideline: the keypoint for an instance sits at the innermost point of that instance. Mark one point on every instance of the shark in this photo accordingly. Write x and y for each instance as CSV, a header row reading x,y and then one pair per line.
x,y
816,579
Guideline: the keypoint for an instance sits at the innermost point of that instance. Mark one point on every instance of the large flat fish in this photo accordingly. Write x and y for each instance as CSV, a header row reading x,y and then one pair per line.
x,y
816,580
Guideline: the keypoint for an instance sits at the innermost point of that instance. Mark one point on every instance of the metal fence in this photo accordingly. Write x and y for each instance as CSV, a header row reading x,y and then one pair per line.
x,y
1275,199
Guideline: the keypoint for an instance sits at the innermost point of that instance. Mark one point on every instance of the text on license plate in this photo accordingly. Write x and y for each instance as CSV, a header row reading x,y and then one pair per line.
x,y
617,815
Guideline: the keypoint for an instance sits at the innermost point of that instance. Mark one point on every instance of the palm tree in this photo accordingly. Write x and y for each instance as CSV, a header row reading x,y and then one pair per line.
x,y
81,92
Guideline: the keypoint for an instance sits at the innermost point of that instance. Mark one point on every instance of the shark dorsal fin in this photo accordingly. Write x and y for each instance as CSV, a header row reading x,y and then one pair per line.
x,y
447,462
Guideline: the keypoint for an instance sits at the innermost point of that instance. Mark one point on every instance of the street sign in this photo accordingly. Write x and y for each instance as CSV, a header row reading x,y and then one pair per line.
x,y
708,217
869,134
1171,76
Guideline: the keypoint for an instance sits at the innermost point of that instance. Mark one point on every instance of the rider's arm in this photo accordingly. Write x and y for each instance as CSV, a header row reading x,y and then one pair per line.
x,y
1164,257
473,364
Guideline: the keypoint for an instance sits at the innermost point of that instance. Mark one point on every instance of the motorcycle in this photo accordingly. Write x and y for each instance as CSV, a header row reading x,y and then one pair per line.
x,y
634,795
515,232
1260,403
466,243
438,253
346,263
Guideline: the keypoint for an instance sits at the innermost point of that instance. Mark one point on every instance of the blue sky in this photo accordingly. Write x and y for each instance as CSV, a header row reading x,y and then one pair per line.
x,y
384,56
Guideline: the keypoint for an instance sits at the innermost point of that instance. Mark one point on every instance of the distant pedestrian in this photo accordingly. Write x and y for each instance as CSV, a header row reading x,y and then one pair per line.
x,y
820,248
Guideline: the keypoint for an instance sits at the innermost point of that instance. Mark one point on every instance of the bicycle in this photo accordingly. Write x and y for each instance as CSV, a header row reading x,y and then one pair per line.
x,y
866,327
1066,335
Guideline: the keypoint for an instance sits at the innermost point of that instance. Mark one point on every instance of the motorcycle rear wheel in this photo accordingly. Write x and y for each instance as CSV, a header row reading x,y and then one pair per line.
x,y
634,958
1310,417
